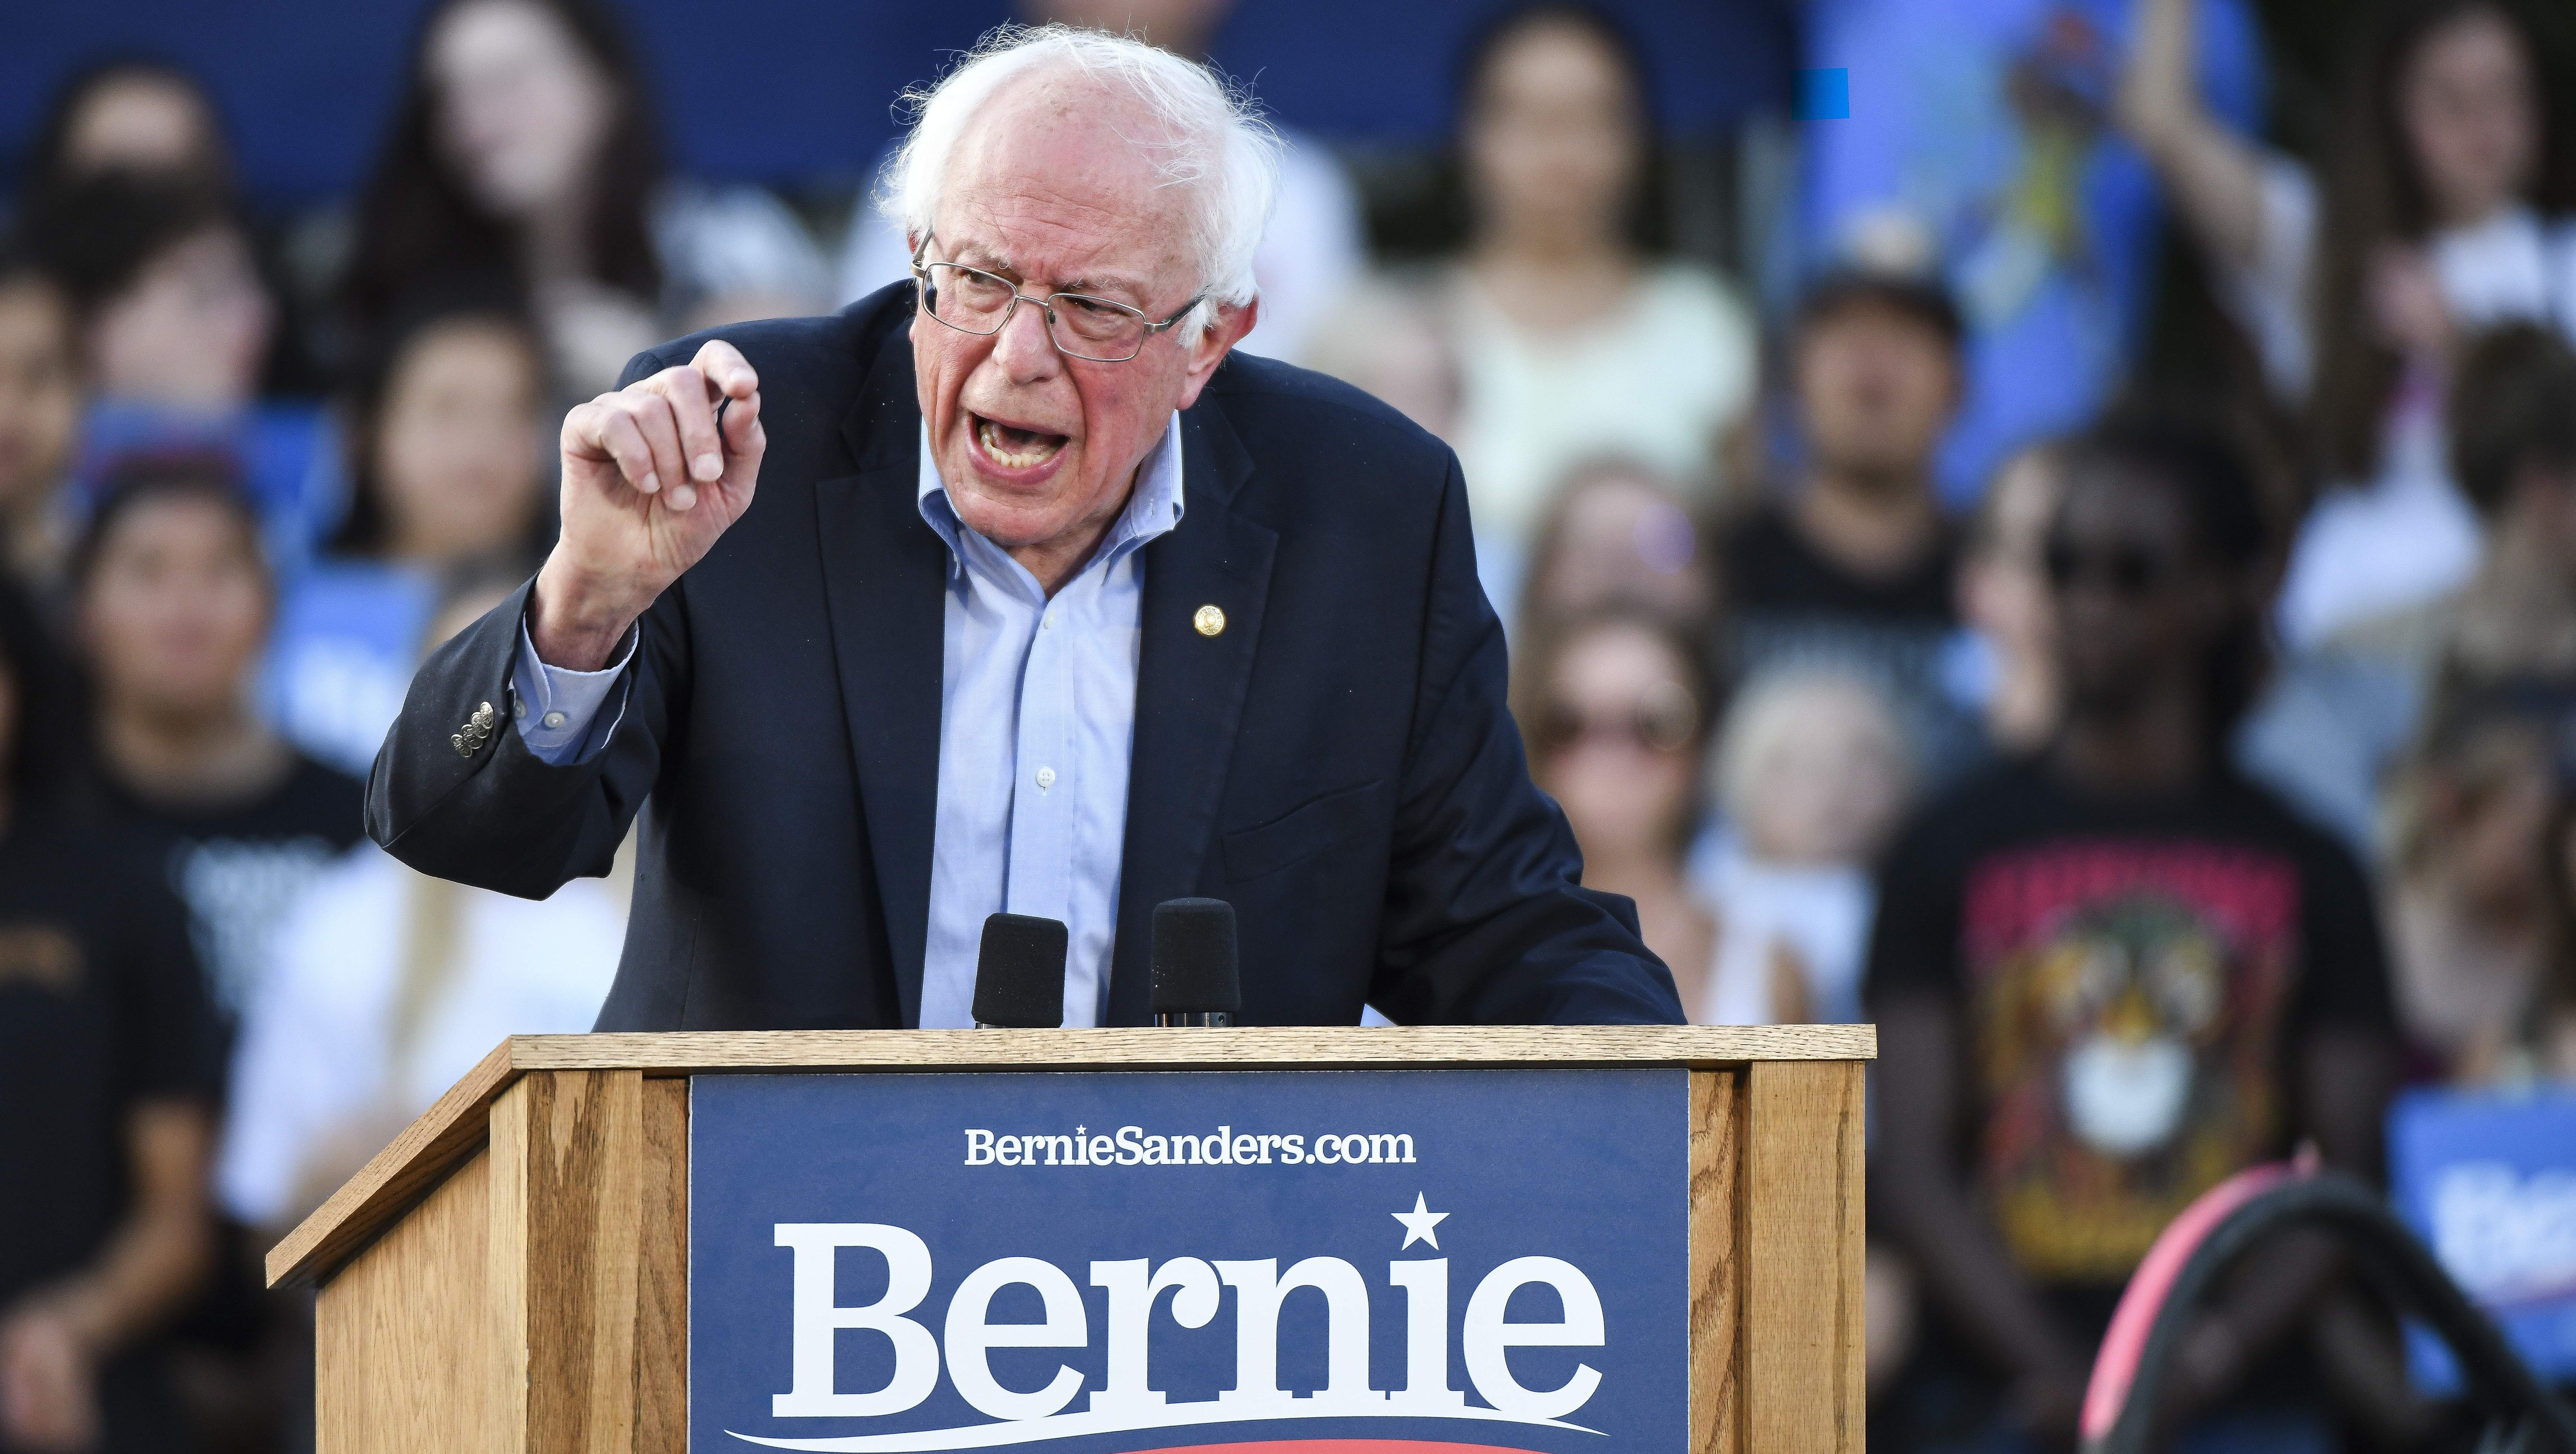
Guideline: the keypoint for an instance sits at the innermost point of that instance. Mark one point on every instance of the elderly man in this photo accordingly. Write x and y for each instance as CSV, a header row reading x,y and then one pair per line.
x,y
1044,606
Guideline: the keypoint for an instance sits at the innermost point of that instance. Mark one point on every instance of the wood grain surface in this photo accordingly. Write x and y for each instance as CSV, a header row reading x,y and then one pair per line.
x,y
404,1353
583,1232
704,1052
1716,1289
662,1314
1803,1374
451,1129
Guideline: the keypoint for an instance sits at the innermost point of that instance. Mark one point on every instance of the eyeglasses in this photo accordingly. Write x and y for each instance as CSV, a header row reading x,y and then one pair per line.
x,y
1665,719
2134,571
971,300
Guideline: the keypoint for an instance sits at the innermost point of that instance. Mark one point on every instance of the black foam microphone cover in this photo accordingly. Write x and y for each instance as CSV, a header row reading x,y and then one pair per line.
x,y
1019,973
1194,958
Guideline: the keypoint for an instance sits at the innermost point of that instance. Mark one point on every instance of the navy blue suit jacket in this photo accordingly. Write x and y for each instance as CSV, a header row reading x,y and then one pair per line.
x,y
1338,763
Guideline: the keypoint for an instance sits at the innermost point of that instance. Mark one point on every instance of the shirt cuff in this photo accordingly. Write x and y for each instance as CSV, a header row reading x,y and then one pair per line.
x,y
556,708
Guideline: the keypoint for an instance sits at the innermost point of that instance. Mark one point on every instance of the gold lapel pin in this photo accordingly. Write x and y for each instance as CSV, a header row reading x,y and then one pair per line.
x,y
1209,620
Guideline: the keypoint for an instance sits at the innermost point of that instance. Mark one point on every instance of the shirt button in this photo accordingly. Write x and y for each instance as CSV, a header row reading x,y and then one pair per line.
x,y
553,720
518,706
1046,778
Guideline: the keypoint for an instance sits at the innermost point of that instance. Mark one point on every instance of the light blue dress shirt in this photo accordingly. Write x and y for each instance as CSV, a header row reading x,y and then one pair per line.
x,y
1037,714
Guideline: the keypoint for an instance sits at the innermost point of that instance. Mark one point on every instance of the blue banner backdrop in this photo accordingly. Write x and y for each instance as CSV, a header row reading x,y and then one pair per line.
x,y
802,90
1114,1262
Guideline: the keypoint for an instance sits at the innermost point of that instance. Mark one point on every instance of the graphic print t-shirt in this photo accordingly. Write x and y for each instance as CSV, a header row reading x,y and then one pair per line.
x,y
240,866
2135,978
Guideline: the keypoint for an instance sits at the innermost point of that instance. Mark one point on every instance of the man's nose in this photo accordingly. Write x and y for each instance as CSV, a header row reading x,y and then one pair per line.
x,y
1023,347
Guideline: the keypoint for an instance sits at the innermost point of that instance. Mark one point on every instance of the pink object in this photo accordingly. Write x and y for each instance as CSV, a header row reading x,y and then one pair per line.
x,y
2115,1368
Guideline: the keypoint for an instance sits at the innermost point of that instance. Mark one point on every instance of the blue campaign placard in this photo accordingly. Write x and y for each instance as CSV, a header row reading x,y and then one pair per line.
x,y
1113,1262
2488,1180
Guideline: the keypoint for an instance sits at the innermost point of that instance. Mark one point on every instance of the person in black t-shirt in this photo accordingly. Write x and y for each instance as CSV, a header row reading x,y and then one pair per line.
x,y
2110,975
1853,567
172,602
105,1078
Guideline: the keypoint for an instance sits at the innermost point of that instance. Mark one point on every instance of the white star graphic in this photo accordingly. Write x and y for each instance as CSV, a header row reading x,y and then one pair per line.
x,y
1418,1224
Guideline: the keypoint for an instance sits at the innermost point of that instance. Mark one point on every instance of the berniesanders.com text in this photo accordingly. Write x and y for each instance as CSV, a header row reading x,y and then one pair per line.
x,y
1132,1146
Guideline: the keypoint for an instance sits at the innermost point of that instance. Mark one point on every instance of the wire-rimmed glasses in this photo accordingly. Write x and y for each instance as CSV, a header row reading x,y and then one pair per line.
x,y
971,300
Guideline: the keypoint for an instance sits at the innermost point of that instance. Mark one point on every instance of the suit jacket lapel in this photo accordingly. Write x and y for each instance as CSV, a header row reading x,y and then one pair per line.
x,y
1189,692
884,578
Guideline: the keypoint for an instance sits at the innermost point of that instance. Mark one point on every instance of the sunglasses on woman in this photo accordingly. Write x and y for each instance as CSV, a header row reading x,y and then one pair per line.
x,y
1664,719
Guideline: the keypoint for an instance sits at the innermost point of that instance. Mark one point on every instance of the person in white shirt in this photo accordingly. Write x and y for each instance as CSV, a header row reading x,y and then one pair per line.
x,y
1569,339
2451,210
387,985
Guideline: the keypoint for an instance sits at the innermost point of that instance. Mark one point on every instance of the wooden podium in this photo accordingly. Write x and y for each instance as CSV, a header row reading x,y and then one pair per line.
x,y
512,1273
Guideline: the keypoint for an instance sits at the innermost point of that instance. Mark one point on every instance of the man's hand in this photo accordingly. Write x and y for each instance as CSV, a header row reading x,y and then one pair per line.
x,y
47,1397
649,482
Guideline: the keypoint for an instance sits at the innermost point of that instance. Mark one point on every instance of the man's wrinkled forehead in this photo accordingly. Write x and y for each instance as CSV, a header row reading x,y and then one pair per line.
x,y
1047,179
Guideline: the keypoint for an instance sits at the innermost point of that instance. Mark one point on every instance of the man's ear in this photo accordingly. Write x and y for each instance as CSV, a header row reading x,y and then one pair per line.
x,y
1210,348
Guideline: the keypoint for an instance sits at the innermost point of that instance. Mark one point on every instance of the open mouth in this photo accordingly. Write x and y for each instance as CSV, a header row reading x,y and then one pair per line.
x,y
1012,447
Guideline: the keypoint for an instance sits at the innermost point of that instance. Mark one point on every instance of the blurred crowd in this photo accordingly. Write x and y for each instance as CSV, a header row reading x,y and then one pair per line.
x,y
2174,764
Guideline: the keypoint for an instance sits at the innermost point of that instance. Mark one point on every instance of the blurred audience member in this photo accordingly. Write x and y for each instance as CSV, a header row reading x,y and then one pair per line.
x,y
2467,910
173,313
1570,338
1856,565
2003,598
1617,535
526,146
388,985
174,327
2111,975
40,409
172,604
2334,723
148,118
126,113
1382,335
1814,774
2451,207
448,458
1311,252
1977,153
1612,705
106,1074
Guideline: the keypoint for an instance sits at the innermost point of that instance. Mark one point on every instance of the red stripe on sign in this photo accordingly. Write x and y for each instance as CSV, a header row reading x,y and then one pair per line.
x,y
1338,1446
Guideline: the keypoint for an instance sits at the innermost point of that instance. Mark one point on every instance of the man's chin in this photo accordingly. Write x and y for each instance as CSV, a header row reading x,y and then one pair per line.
x,y
1011,523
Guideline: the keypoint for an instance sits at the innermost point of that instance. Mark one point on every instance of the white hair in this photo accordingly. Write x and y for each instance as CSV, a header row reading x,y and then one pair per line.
x,y
1208,138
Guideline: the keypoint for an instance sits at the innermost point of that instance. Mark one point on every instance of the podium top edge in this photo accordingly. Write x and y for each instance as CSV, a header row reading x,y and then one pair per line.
x,y
450,1132
703,1052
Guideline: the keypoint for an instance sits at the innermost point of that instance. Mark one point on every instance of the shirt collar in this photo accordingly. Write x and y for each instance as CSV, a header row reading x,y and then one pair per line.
x,y
1153,507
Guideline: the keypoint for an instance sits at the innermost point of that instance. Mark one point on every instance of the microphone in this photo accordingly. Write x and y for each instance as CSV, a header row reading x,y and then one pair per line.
x,y
1019,974
1195,978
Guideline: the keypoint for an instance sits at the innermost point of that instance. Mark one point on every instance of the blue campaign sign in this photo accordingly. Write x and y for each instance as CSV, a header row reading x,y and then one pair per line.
x,y
2489,1182
1398,1262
